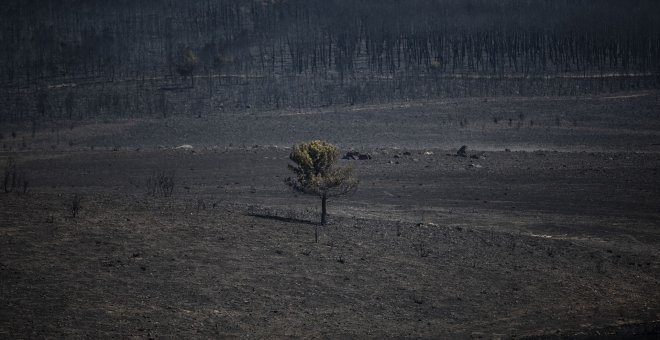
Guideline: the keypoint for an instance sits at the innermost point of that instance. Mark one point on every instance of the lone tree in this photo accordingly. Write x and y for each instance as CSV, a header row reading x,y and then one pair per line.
x,y
316,173
186,65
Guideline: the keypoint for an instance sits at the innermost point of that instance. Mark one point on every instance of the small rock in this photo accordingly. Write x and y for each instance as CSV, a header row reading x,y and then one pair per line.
x,y
355,155
351,155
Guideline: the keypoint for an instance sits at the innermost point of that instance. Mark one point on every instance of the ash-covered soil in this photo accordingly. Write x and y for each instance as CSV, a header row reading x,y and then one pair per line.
x,y
555,241
625,122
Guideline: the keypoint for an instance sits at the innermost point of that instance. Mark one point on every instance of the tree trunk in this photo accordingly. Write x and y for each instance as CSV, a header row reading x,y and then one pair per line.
x,y
324,199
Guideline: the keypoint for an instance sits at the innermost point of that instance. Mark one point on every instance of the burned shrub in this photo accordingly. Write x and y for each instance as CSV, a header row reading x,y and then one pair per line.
x,y
161,183
74,205
462,152
14,180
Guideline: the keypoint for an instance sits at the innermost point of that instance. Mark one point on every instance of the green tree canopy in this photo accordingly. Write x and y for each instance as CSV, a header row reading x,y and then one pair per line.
x,y
316,172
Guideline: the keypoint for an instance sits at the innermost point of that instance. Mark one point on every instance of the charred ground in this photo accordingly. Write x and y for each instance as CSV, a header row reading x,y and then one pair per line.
x,y
556,237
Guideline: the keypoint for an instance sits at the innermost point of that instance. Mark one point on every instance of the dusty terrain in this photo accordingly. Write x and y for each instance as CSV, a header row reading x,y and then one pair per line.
x,y
557,237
